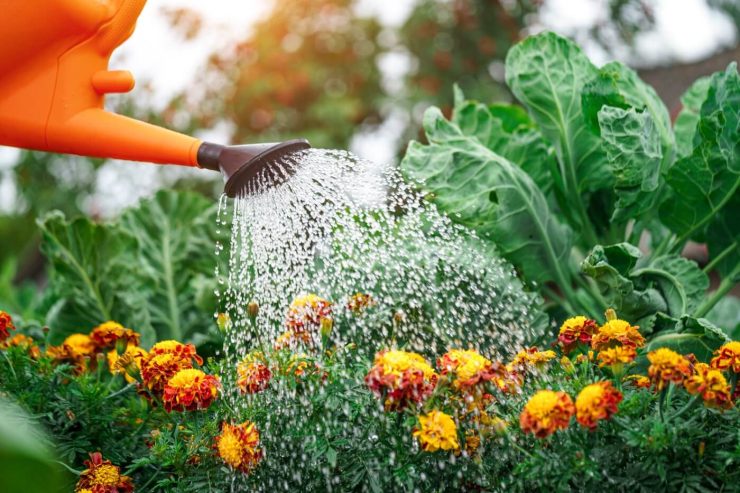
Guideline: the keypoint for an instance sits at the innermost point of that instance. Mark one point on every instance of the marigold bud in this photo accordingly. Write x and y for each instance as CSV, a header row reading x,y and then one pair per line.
x,y
327,324
253,309
223,321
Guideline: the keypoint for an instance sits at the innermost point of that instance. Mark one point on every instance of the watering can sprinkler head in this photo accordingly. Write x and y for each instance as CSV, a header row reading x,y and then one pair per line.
x,y
241,165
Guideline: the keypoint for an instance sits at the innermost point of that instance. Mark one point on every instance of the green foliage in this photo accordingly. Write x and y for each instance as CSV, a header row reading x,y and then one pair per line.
x,y
619,171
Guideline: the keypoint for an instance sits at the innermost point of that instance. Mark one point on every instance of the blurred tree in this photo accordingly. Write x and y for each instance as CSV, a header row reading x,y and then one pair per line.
x,y
307,70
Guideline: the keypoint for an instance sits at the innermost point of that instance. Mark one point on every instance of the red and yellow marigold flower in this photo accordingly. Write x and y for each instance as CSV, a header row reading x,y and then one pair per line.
x,y
76,348
546,412
238,446
109,334
711,385
402,377
727,357
639,381
617,356
667,366
306,312
164,360
358,302
531,358
597,402
253,375
469,367
6,325
437,431
617,332
576,330
22,341
101,476
127,364
189,390
291,340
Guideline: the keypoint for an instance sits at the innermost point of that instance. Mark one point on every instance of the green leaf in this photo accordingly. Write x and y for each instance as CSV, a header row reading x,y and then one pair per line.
x,y
633,148
726,315
547,74
685,125
699,337
681,282
94,276
484,191
175,239
509,133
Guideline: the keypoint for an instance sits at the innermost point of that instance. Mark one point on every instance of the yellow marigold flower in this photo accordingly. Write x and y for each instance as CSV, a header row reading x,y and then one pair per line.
x,y
22,341
101,476
402,376
437,431
639,381
76,348
291,340
238,446
305,313
107,335
617,333
6,325
529,357
190,389
546,412
396,362
469,367
576,330
711,385
253,376
164,360
727,357
617,356
596,402
667,366
127,364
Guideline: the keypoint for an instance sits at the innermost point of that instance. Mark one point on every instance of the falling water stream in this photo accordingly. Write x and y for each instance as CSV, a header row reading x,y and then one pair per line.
x,y
340,226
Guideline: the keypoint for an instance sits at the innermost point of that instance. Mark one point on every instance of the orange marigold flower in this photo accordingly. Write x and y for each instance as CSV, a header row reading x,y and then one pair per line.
x,y
616,356
76,348
639,381
576,330
617,333
667,366
101,476
127,364
238,446
711,385
727,357
107,335
164,360
252,376
22,341
6,325
437,431
596,402
306,312
401,376
359,302
190,389
469,367
531,357
546,412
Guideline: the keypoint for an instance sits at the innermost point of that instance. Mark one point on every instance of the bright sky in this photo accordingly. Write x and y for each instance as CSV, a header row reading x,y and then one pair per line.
x,y
685,30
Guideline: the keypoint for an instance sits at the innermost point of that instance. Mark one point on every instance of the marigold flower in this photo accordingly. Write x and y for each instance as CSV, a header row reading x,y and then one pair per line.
x,y
711,385
639,381
238,446
596,402
252,376
306,312
727,357
617,356
101,476
529,357
22,341
190,389
546,412
164,360
358,302
469,367
437,431
127,364
291,340
402,376
6,325
617,333
107,335
576,330
76,348
667,366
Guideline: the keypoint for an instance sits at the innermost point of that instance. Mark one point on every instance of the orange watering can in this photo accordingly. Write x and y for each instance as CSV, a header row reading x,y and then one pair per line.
x,y
54,58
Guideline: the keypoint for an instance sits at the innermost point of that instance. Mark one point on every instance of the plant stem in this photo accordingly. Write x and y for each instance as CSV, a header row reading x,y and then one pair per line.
x,y
683,410
724,287
719,258
557,298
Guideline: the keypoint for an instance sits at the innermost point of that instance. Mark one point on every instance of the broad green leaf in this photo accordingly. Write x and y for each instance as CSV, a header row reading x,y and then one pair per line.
x,y
609,267
633,148
619,86
699,337
509,133
705,184
484,191
547,74
726,315
175,239
685,125
681,282
94,277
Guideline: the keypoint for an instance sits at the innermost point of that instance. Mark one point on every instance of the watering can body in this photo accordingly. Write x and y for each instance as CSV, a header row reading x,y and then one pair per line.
x,y
54,58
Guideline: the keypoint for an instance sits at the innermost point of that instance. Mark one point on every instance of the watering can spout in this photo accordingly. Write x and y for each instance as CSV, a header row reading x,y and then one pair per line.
x,y
54,57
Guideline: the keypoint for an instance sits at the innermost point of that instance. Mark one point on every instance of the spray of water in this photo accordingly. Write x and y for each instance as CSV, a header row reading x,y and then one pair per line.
x,y
339,227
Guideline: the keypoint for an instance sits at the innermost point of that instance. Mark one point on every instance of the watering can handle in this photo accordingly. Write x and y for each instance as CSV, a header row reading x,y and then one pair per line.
x,y
121,26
